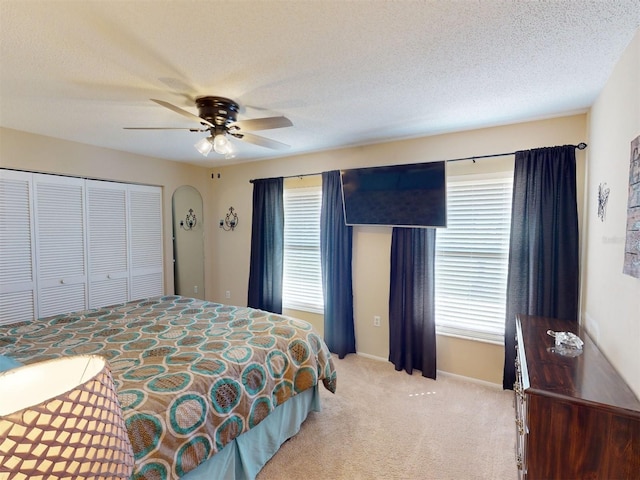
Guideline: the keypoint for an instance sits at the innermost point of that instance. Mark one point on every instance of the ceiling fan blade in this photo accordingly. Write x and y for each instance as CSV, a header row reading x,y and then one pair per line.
x,y
166,128
183,112
180,87
263,142
266,123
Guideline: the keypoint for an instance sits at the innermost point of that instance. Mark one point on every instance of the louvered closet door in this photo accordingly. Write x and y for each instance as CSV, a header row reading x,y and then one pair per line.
x,y
108,264
60,244
17,259
145,247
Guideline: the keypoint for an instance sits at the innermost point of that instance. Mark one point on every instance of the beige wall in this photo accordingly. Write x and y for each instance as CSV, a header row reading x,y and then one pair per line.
x,y
25,151
371,246
227,253
611,300
188,245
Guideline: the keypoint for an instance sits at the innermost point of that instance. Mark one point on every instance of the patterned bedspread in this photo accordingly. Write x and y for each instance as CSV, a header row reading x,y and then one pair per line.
x,y
191,375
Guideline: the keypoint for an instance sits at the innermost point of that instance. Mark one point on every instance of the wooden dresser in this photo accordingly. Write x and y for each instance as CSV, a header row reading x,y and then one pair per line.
x,y
575,417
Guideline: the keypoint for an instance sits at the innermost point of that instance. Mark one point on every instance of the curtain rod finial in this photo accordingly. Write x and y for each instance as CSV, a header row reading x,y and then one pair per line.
x,y
582,146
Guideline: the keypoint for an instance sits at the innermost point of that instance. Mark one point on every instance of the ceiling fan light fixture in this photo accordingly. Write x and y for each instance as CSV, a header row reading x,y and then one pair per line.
x,y
221,144
218,116
204,145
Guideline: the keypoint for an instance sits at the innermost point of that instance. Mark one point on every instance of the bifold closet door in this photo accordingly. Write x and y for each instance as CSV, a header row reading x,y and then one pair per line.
x,y
17,254
60,244
107,240
67,244
145,246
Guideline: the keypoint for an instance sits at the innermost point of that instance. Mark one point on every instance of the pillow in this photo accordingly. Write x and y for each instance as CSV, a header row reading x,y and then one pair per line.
x,y
7,363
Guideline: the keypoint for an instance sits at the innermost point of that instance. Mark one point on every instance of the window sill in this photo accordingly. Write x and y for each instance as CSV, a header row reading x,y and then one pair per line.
x,y
470,336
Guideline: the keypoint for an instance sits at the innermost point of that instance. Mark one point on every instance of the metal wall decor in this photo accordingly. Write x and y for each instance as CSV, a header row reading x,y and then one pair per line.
x,y
190,221
603,198
230,221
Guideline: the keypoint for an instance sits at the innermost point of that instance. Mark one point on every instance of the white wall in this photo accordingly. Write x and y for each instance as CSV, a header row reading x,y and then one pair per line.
x,y
611,300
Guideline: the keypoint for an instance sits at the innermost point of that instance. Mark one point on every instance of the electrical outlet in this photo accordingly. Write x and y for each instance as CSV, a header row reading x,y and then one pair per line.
x,y
227,294
376,321
195,289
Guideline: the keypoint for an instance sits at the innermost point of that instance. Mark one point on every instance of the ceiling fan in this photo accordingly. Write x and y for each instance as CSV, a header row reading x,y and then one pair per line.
x,y
218,116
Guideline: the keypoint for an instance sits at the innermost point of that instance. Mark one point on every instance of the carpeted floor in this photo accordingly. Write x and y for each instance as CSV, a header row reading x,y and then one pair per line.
x,y
383,424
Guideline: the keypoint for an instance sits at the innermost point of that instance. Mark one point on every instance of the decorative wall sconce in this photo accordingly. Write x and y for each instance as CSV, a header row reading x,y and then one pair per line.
x,y
230,221
190,221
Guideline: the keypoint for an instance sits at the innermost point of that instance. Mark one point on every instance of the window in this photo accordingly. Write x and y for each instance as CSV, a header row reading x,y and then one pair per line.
x,y
472,254
302,283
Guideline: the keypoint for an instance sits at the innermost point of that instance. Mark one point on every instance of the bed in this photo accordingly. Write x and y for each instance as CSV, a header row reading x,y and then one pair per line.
x,y
207,390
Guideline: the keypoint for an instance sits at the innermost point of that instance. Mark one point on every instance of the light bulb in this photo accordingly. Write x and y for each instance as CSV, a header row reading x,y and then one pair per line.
x,y
204,146
221,145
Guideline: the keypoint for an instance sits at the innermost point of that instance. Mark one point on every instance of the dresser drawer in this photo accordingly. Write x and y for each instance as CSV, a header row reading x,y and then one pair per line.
x,y
575,416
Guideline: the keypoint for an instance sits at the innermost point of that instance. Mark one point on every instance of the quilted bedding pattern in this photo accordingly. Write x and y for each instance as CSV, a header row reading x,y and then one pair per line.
x,y
191,375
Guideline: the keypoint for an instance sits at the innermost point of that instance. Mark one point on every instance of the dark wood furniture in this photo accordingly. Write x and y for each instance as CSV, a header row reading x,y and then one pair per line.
x,y
576,418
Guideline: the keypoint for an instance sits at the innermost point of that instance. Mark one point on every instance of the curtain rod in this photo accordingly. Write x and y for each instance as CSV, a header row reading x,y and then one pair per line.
x,y
580,146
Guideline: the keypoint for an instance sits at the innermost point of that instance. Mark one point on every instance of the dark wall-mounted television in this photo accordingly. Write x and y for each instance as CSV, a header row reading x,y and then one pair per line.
x,y
413,195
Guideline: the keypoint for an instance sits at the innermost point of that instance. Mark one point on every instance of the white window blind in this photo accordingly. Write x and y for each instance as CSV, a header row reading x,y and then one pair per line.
x,y
302,283
471,259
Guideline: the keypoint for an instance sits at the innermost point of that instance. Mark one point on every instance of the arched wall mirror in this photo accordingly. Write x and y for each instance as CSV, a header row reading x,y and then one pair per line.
x,y
188,242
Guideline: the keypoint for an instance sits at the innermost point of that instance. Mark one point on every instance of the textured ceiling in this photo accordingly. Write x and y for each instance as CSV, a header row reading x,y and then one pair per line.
x,y
345,72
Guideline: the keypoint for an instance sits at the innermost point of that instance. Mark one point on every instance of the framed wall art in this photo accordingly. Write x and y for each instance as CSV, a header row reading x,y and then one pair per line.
x,y
632,243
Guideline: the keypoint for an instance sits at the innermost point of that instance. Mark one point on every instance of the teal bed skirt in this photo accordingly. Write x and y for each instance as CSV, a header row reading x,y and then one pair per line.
x,y
246,455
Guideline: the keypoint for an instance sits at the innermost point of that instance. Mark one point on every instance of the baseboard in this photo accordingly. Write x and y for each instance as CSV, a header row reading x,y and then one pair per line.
x,y
372,357
440,372
470,379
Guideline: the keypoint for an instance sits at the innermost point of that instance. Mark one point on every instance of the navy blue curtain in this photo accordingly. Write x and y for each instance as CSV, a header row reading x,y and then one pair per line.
x,y
335,253
543,275
412,326
267,245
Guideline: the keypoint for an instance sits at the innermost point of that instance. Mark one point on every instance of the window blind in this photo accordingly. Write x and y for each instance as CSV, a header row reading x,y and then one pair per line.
x,y
471,259
302,282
